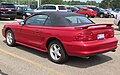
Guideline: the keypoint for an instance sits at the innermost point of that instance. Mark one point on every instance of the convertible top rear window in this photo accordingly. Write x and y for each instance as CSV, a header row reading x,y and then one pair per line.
x,y
78,20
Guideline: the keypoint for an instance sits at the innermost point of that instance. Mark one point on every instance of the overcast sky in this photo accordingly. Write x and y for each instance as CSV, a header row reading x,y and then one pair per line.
x,y
84,0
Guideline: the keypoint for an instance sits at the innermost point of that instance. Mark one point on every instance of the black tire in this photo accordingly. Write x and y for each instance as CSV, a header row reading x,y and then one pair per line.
x,y
93,17
63,58
13,18
12,42
101,16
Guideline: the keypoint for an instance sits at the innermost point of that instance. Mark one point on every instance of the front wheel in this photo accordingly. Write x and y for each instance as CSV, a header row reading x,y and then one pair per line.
x,y
101,15
10,40
87,15
57,52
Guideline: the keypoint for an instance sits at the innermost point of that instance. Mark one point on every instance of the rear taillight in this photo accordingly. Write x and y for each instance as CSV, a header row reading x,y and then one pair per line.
x,y
109,34
14,9
2,8
84,36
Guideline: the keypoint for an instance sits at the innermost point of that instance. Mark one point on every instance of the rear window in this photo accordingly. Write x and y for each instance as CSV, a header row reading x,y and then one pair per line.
x,y
27,8
61,7
49,7
8,6
78,20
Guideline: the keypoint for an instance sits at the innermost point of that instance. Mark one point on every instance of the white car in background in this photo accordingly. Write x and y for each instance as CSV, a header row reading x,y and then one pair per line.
x,y
117,21
51,7
113,14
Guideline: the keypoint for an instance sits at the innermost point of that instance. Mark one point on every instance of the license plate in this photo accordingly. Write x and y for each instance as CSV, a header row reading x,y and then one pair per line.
x,y
100,36
9,10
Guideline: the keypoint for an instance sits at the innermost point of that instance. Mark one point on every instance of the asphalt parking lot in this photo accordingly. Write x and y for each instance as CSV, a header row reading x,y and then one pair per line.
x,y
21,60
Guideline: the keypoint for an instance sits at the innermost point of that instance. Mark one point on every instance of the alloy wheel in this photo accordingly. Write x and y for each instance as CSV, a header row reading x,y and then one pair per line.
x,y
55,52
9,38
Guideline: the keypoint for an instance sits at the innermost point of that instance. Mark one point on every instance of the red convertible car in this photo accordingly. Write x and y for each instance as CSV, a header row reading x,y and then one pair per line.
x,y
61,35
87,12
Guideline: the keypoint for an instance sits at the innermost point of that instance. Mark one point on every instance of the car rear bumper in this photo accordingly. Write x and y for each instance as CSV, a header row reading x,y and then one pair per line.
x,y
85,49
8,15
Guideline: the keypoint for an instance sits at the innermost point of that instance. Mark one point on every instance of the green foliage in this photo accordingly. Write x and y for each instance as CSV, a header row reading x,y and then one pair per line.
x,y
52,1
110,4
82,3
2,0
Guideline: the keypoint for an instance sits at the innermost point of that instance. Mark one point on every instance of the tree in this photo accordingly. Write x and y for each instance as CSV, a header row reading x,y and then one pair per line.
x,y
110,4
2,0
52,1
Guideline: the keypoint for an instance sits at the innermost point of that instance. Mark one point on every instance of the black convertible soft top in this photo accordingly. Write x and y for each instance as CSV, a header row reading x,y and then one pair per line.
x,y
58,18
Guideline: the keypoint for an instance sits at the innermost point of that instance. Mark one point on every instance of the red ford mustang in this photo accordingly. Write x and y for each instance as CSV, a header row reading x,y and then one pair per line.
x,y
61,35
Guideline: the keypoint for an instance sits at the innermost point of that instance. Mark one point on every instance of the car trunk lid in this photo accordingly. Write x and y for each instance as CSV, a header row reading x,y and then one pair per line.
x,y
95,32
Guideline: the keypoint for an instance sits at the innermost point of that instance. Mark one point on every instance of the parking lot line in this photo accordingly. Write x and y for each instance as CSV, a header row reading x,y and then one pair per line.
x,y
32,62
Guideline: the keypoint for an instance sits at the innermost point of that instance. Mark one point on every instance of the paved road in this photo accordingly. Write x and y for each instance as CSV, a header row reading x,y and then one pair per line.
x,y
21,60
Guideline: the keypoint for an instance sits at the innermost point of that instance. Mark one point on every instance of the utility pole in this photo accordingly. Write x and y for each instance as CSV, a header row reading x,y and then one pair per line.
x,y
39,3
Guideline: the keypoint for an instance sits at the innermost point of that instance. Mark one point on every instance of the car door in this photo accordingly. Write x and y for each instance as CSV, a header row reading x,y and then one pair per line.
x,y
83,11
19,12
32,30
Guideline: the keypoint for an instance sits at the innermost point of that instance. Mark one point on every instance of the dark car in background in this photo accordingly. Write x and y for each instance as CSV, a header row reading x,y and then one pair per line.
x,y
102,13
117,10
24,11
7,10
73,9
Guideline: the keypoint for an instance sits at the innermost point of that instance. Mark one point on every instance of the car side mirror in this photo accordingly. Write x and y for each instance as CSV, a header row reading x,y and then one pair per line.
x,y
22,23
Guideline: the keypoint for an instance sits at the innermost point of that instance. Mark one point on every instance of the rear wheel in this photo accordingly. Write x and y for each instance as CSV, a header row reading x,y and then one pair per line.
x,y
57,52
10,40
93,17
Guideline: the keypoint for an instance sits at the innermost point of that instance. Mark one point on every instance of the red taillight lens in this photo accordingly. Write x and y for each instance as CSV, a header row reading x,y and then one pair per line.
x,y
14,9
84,36
109,34
2,8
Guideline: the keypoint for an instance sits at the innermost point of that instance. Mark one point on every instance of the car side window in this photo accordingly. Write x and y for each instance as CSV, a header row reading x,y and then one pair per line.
x,y
40,8
37,20
19,8
49,7
61,7
84,10
48,22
